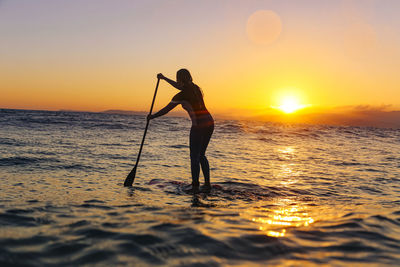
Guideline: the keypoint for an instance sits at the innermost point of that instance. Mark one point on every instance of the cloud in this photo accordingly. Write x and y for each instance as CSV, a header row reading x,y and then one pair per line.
x,y
371,116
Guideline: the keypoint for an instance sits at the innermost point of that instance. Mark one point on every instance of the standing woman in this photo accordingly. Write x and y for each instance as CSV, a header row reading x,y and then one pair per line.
x,y
191,99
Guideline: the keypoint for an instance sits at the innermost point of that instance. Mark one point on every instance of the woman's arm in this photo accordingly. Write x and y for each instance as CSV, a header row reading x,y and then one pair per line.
x,y
171,82
163,111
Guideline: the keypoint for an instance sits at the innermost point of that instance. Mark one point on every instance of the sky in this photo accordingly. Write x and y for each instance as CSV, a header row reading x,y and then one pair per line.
x,y
247,56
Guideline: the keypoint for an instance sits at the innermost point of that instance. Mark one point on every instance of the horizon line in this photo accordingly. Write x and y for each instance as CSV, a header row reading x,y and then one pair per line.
x,y
358,116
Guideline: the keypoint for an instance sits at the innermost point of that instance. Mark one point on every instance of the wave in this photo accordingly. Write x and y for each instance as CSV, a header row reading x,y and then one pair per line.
x,y
225,190
229,127
366,235
11,142
353,238
48,164
18,161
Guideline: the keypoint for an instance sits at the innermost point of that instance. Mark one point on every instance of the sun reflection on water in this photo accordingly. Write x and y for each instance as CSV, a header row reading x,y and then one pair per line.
x,y
288,150
276,222
274,219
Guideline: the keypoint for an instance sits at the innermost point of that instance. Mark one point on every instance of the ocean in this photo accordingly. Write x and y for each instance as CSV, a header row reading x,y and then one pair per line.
x,y
283,195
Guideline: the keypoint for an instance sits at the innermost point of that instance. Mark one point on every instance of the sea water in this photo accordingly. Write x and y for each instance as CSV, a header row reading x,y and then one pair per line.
x,y
283,195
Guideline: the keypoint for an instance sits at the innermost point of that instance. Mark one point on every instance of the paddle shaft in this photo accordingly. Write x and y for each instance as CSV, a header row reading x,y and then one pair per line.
x,y
147,123
131,176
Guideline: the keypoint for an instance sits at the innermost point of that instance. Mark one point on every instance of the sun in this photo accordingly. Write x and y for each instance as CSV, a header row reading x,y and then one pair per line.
x,y
290,104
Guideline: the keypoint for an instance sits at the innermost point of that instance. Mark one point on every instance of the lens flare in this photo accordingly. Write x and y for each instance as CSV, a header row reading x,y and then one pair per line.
x,y
264,27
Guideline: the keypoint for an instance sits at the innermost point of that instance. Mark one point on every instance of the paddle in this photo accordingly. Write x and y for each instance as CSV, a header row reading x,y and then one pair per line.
x,y
131,176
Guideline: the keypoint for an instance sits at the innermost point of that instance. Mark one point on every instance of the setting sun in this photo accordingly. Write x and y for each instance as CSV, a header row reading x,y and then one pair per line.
x,y
290,104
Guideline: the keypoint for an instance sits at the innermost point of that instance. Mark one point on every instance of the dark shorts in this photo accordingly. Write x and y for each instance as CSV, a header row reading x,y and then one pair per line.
x,y
199,138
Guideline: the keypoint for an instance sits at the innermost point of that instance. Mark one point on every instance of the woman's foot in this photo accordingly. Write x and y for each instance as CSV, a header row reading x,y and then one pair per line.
x,y
206,188
192,189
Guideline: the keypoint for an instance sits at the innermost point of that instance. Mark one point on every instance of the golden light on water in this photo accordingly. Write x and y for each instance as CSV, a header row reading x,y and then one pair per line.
x,y
286,173
285,213
276,222
286,152
276,234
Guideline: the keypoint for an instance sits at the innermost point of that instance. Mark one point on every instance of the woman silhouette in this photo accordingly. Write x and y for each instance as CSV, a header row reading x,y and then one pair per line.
x,y
191,99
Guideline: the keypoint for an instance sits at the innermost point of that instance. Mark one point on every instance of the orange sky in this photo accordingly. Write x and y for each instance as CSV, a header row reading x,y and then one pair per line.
x,y
99,55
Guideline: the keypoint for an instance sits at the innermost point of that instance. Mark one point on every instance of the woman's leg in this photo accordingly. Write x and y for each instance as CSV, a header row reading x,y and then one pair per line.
x,y
205,167
195,145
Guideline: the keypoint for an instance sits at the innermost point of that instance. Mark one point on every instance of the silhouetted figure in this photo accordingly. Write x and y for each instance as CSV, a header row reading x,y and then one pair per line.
x,y
191,99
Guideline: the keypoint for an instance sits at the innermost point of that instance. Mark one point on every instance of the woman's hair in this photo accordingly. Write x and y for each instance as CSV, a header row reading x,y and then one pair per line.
x,y
183,76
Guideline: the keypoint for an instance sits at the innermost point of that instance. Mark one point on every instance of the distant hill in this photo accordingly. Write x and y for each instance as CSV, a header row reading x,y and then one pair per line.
x,y
353,116
124,112
131,112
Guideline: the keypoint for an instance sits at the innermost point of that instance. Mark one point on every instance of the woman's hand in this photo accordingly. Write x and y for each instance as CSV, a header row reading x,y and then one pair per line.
x,y
160,76
150,117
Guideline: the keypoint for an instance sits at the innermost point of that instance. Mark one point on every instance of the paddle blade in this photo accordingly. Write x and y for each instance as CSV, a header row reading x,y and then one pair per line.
x,y
131,176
